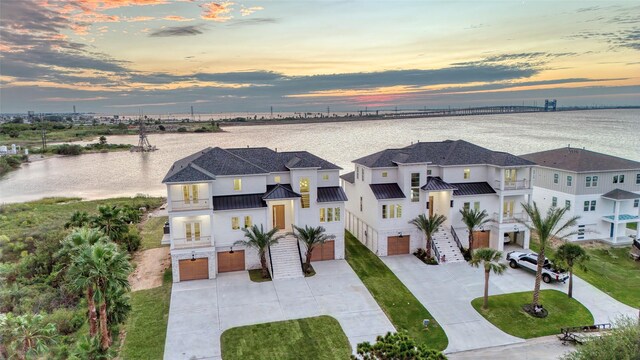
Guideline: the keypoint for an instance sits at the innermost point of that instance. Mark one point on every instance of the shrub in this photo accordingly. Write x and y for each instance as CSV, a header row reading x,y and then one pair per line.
x,y
182,129
67,321
131,240
66,149
396,346
161,128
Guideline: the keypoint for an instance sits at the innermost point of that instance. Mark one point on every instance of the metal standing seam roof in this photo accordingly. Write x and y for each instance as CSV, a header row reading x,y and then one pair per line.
x,y
473,188
331,194
349,177
232,202
387,191
280,191
619,194
435,183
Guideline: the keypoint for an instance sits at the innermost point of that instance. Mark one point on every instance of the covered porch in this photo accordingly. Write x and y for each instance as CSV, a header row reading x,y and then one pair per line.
x,y
625,211
439,195
282,207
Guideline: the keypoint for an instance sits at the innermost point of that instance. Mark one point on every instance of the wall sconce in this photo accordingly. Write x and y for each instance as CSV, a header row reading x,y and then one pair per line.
x,y
231,250
400,234
193,256
481,228
516,229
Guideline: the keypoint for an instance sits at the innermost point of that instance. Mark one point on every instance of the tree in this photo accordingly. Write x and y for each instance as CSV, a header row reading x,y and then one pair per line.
x,y
103,140
396,346
78,219
27,335
489,259
620,343
569,255
310,237
105,268
111,222
473,218
261,241
428,226
544,229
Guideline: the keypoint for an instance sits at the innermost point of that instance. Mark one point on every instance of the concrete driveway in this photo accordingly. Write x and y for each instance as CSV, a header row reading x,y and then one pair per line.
x,y
201,310
447,290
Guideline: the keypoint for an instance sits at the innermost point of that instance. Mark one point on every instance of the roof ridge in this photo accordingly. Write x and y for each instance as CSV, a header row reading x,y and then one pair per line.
x,y
243,159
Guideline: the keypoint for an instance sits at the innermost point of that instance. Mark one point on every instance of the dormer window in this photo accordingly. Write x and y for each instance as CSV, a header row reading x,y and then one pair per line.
x,y
384,174
325,177
276,179
467,174
237,184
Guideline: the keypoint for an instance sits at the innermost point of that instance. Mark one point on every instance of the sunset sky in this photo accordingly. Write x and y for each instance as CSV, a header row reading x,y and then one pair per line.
x,y
163,56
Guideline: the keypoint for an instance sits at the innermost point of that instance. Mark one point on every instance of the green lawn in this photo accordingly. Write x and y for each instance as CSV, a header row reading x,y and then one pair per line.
x,y
402,308
632,226
311,338
610,270
505,312
151,232
147,323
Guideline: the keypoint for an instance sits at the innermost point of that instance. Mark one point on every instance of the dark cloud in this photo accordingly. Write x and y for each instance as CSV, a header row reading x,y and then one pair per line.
x,y
626,38
253,21
187,30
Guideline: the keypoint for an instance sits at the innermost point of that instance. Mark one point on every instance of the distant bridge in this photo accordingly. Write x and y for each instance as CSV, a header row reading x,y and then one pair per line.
x,y
484,110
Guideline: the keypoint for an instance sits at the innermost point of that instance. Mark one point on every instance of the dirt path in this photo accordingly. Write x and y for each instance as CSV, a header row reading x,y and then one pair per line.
x,y
150,267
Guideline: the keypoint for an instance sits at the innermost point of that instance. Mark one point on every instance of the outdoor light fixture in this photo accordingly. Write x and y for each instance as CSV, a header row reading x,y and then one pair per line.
x,y
481,228
231,251
193,256
400,234
516,229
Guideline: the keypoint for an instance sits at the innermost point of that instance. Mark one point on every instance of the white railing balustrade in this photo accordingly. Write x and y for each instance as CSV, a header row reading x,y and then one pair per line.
x,y
191,204
512,185
511,218
193,242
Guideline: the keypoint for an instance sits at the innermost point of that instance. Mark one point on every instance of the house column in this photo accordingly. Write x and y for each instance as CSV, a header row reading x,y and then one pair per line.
x,y
502,179
638,225
616,213
501,209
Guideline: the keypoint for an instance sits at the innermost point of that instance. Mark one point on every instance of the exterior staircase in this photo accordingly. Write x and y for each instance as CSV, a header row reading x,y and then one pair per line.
x,y
443,240
286,259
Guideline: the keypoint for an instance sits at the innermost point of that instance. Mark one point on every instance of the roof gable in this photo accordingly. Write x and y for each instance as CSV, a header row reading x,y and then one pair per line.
x,y
280,191
580,160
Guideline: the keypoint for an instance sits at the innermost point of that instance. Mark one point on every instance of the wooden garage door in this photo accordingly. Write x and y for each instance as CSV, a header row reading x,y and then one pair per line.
x,y
230,261
194,269
481,239
324,252
397,245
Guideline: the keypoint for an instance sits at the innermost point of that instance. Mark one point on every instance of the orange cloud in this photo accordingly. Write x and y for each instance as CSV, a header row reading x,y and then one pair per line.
x,y
176,18
217,11
140,18
250,10
110,4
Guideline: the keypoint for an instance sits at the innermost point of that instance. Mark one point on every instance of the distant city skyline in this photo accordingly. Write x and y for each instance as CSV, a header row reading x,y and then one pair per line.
x,y
164,56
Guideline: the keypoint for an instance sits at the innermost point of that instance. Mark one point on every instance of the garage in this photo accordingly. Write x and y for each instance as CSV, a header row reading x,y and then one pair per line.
x,y
324,251
194,269
481,239
398,245
230,261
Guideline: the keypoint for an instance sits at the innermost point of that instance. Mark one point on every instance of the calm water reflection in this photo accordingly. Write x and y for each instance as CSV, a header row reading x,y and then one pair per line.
x,y
123,174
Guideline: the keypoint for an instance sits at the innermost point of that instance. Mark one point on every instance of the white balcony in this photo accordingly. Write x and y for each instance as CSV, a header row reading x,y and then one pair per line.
x,y
512,185
194,242
191,204
511,218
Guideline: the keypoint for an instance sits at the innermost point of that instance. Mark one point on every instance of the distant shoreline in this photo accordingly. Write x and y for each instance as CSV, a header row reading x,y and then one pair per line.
x,y
314,120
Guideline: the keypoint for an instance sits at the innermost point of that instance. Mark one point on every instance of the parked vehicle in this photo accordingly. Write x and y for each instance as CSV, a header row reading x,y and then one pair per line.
x,y
529,261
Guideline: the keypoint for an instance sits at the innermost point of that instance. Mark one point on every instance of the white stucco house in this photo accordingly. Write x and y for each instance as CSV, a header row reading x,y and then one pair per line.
x,y
603,190
215,193
389,188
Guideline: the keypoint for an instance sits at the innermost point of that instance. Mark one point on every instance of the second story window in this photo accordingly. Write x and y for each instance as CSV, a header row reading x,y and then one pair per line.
x,y
556,178
637,179
277,179
587,181
384,174
415,187
567,204
618,179
237,184
510,176
384,211
554,201
192,231
190,194
636,203
467,174
362,174
235,223
429,172
360,203
304,191
325,177
357,172
590,206
248,222
569,180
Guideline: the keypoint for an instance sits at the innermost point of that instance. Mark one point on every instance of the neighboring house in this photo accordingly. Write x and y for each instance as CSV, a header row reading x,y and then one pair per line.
x,y
215,193
603,190
393,186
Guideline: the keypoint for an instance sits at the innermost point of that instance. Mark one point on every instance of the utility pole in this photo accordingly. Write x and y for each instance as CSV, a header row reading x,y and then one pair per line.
x,y
328,110
272,111
192,118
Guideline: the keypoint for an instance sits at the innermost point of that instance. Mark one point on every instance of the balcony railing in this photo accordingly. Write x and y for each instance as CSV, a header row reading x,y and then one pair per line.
x,y
194,242
511,218
191,204
512,185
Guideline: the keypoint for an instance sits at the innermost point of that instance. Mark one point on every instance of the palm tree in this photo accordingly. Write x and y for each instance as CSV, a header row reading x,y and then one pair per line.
x,y
570,255
111,221
310,237
473,218
27,335
78,219
103,267
544,229
260,240
428,226
72,245
489,258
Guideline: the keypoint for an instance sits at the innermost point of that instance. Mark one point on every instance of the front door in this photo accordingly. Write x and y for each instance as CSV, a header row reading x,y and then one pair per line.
x,y
430,206
278,217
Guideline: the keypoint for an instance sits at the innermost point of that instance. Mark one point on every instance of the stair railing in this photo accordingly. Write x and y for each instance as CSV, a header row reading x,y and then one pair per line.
x,y
270,261
300,256
435,251
456,239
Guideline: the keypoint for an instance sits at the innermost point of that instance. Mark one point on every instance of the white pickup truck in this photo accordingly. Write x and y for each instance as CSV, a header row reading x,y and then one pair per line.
x,y
529,261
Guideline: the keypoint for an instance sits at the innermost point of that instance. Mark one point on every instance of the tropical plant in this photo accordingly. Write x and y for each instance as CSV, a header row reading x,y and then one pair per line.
x,y
111,222
544,229
261,241
621,343
396,346
88,348
473,218
569,255
26,336
428,226
78,219
310,237
490,261
103,267
103,140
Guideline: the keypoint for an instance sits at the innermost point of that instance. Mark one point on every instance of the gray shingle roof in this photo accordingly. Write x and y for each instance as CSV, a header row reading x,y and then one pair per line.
x,y
280,191
216,161
619,194
580,160
449,152
387,191
331,194
435,183
473,188
349,177
232,202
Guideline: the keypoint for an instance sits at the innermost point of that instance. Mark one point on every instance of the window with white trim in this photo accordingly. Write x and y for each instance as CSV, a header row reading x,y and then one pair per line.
x,y
587,181
190,194
325,177
567,204
569,180
467,174
636,202
594,181
589,205
637,179
237,184
192,231
415,187
554,201
618,179
276,179
556,178
248,222
384,174
392,211
304,193
235,223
